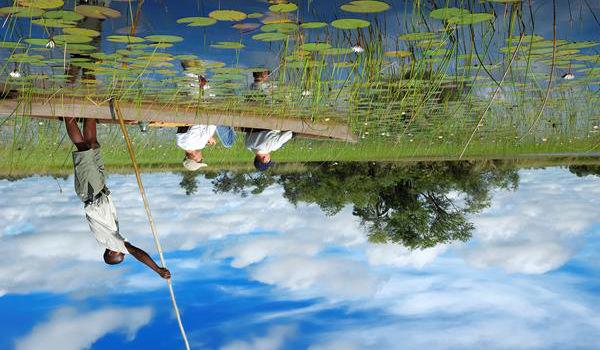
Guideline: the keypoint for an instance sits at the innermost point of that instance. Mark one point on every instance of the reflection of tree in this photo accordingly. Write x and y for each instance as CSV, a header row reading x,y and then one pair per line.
x,y
585,170
418,205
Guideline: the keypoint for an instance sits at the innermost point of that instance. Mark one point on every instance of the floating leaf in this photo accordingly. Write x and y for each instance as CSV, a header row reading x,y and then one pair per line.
x,y
315,46
124,39
255,15
36,41
448,12
53,23
365,6
418,36
72,39
82,31
99,12
280,8
70,16
336,51
313,25
228,15
164,38
399,53
472,18
25,12
350,23
11,45
246,26
197,21
274,36
41,4
280,27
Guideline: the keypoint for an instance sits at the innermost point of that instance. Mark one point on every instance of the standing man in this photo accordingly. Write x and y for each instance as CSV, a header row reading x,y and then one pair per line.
x,y
262,142
100,212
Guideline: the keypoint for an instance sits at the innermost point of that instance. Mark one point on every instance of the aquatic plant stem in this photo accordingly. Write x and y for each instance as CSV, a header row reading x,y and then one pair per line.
x,y
493,96
551,78
116,114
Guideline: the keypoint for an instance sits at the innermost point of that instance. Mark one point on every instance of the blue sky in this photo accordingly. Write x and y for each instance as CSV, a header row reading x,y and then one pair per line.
x,y
259,273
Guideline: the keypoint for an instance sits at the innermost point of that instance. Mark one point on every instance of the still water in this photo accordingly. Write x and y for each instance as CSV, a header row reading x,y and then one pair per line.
x,y
432,255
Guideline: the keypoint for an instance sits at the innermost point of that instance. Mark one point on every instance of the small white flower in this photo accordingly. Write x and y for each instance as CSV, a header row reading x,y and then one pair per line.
x,y
191,75
357,49
596,127
15,74
50,44
206,87
568,76
212,95
306,93
544,139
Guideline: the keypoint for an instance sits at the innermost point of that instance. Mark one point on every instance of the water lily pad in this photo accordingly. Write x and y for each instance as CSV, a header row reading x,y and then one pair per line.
x,y
197,21
98,12
280,8
81,47
399,53
25,12
255,15
418,36
274,36
228,15
472,18
72,39
228,45
448,12
350,23
164,38
280,27
313,25
36,41
365,6
82,31
71,16
160,45
53,23
11,45
336,51
315,46
128,39
246,26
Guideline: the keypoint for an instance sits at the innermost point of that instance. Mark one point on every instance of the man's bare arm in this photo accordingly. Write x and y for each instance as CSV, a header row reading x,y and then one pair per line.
x,y
144,258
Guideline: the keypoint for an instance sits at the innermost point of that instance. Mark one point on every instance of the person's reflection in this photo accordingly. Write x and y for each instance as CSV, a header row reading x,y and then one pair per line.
x,y
263,142
100,212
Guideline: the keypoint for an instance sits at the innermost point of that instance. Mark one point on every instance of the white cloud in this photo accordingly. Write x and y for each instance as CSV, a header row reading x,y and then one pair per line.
x,y
69,330
333,277
535,229
397,255
273,340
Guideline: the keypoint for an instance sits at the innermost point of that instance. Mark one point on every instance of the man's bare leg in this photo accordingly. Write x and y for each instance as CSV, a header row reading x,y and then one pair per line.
x,y
89,133
75,134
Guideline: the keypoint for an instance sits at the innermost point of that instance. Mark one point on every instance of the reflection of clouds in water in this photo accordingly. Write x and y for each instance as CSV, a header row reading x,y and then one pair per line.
x,y
305,254
67,329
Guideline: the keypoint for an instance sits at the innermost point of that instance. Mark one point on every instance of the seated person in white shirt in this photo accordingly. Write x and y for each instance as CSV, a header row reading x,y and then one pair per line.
x,y
262,142
193,139
100,212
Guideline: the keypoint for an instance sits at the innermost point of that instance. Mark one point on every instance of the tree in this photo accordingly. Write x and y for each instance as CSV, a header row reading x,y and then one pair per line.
x,y
188,182
418,205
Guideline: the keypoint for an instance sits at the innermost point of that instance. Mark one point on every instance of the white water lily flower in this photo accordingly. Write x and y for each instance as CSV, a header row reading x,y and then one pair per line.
x,y
568,76
357,49
15,74
50,44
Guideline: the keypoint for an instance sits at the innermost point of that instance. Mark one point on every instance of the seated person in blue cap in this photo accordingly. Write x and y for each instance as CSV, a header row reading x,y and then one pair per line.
x,y
262,142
